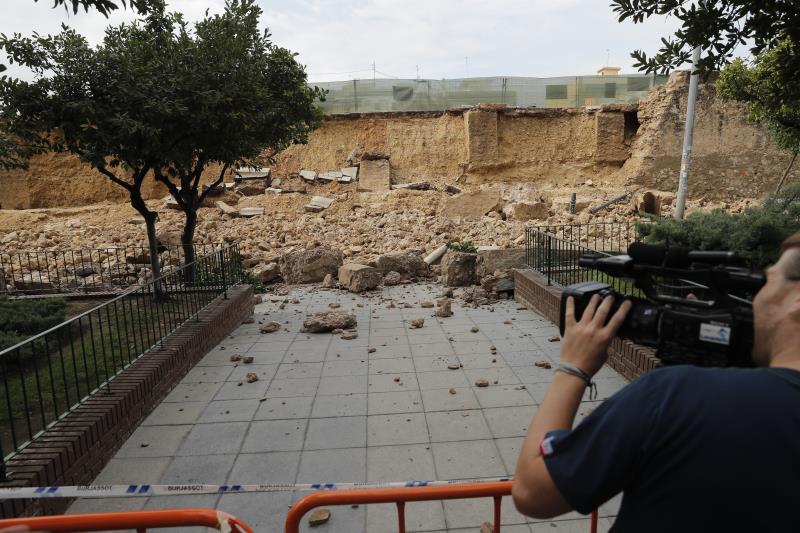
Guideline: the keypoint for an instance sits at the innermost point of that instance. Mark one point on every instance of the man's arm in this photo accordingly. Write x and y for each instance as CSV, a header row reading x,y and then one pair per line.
x,y
584,346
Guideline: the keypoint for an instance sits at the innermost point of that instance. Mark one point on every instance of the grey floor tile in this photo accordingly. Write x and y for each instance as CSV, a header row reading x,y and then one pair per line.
x,y
351,367
473,512
459,460
154,441
193,392
209,439
293,387
275,436
265,467
389,348
242,390
445,379
333,466
431,349
284,408
569,526
503,396
380,403
383,430
481,361
342,385
392,382
191,470
509,421
176,413
438,363
342,432
509,451
133,470
299,370
208,374
395,365
445,426
106,505
408,462
420,516
229,411
339,405
500,374
444,400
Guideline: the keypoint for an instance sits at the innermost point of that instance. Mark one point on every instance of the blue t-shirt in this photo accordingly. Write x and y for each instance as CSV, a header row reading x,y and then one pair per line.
x,y
692,449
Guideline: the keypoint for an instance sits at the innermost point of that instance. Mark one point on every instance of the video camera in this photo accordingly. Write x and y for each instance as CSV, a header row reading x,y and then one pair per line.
x,y
697,307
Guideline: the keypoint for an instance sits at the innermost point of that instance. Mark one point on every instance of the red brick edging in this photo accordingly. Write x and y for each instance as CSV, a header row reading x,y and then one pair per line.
x,y
77,447
531,289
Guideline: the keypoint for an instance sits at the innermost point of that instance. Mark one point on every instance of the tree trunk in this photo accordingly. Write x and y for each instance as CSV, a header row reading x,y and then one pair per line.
x,y
187,238
786,174
152,243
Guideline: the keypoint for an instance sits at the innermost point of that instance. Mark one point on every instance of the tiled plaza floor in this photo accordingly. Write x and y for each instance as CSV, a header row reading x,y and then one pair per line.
x,y
324,409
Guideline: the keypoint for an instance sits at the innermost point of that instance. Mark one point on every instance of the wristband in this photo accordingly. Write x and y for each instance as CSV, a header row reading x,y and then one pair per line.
x,y
578,373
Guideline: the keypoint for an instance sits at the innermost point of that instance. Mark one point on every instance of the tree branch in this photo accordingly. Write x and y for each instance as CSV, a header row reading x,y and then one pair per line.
x,y
215,184
113,177
173,190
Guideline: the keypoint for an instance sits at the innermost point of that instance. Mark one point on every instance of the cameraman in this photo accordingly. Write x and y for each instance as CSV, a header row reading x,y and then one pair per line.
x,y
692,449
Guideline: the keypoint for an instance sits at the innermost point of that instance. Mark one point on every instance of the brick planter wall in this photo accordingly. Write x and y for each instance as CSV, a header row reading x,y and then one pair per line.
x,y
531,290
77,448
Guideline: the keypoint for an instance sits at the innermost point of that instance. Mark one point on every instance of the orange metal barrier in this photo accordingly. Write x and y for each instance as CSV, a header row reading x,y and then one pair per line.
x,y
138,520
400,496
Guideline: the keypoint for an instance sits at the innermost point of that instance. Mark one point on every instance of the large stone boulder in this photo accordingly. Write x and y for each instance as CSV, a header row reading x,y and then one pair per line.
x,y
459,269
310,265
266,272
493,259
523,211
329,321
358,278
473,204
405,263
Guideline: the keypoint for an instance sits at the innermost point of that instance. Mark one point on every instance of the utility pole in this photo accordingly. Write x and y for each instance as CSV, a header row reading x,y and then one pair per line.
x,y
466,64
373,70
417,72
688,136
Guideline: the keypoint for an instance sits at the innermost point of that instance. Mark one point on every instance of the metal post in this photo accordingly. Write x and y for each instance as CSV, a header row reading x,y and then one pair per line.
x,y
688,135
572,202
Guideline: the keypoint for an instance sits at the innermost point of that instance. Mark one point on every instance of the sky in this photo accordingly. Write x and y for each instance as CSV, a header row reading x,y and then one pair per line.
x,y
434,39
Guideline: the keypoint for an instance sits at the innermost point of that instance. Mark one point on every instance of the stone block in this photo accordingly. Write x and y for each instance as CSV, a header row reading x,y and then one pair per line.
x,y
492,260
358,278
310,265
308,175
459,269
227,209
251,211
523,211
473,204
375,176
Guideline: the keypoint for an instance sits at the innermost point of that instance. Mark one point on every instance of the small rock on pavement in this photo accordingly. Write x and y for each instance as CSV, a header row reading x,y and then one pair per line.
x,y
417,323
235,358
474,329
445,309
452,391
454,366
486,527
481,382
251,377
541,363
392,278
319,517
371,350
270,327
349,335
327,283
554,338
426,304
334,305
247,360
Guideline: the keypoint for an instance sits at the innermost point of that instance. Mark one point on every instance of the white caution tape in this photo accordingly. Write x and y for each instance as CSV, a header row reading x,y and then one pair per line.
x,y
126,491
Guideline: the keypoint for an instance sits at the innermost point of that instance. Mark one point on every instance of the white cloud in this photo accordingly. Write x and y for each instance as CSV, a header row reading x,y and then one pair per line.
x,y
339,39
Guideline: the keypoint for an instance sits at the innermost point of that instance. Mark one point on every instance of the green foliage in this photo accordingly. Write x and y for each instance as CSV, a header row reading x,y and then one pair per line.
x,y
249,278
104,7
20,319
717,26
756,234
466,247
771,88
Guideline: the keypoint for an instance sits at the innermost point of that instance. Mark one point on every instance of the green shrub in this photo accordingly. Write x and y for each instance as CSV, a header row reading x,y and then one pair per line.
x,y
756,234
466,247
20,319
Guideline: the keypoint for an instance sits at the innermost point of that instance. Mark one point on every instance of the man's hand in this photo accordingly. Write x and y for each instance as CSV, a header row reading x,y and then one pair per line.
x,y
586,341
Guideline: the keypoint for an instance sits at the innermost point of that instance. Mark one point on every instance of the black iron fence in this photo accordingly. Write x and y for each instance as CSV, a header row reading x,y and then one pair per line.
x,y
554,251
48,375
98,270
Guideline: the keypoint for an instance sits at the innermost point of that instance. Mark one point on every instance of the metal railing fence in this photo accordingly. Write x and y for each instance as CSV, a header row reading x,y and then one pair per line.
x,y
45,377
94,270
555,254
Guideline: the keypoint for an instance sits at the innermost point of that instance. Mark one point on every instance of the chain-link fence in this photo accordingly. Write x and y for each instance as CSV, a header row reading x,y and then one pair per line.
x,y
369,96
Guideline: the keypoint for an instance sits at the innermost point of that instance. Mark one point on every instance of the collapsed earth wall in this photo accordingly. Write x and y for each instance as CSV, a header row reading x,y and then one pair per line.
x,y
623,146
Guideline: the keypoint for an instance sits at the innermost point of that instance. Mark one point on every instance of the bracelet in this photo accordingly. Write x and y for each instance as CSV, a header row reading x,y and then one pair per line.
x,y
578,373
